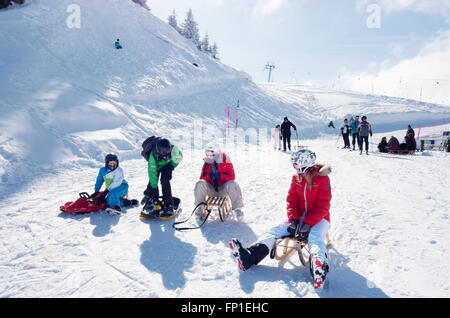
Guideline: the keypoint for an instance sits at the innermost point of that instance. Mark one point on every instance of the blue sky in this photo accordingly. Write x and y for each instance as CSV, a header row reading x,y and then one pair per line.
x,y
319,42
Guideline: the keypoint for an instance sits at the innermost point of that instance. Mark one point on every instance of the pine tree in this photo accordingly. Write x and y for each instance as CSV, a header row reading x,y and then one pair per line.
x,y
214,51
189,29
172,20
205,47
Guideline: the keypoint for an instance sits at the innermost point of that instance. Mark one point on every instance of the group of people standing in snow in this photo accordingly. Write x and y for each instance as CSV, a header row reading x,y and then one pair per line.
x,y
360,132
308,198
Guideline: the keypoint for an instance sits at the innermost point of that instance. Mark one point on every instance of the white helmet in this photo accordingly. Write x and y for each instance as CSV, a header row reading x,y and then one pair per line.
x,y
303,159
213,152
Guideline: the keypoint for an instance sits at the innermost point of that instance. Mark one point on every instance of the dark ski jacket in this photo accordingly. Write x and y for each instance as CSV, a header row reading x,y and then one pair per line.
x,y
383,146
393,144
345,129
286,128
364,129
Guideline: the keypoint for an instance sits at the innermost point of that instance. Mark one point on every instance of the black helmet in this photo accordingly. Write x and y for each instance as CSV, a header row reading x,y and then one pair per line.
x,y
111,157
163,147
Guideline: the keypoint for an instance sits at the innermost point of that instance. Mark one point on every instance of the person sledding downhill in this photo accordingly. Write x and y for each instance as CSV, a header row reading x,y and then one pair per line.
x,y
308,205
116,187
163,158
117,44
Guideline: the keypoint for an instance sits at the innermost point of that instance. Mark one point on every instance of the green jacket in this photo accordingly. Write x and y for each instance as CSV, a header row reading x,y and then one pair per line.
x,y
154,165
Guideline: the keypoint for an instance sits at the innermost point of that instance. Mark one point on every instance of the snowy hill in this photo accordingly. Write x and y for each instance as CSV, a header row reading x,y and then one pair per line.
x,y
78,98
68,98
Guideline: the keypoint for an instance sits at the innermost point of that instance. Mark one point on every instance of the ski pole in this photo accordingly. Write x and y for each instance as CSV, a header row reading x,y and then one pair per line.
x,y
371,141
339,137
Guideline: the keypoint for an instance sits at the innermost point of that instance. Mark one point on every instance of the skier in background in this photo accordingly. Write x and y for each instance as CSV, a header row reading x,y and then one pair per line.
x,y
286,132
354,125
117,44
364,130
345,131
308,213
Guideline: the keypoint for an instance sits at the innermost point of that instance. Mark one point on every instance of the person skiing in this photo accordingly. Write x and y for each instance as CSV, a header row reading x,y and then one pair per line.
x,y
345,131
277,137
308,217
218,179
117,44
116,187
355,137
286,132
163,158
331,125
364,130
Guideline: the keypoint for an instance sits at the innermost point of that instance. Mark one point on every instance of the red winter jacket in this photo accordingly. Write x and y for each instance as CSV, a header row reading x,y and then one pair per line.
x,y
313,205
225,169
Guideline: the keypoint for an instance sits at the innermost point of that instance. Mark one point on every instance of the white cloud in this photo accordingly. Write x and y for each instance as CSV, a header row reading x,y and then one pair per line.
x,y
267,7
425,76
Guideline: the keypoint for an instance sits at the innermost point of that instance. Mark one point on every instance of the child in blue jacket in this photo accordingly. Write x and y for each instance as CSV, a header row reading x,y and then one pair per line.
x,y
116,187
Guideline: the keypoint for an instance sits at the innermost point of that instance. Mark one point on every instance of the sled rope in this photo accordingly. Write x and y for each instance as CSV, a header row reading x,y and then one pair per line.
x,y
194,227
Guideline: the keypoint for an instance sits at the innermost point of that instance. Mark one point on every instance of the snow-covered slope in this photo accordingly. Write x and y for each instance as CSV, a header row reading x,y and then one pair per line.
x,y
68,98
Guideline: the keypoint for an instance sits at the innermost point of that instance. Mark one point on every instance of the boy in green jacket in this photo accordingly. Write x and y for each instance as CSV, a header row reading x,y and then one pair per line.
x,y
163,158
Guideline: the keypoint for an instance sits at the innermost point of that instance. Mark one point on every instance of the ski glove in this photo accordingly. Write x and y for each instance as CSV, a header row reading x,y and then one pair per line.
x,y
304,232
102,197
292,228
93,195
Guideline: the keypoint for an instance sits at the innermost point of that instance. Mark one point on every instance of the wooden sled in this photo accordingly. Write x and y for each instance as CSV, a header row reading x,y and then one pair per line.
x,y
283,247
221,204
401,152
298,147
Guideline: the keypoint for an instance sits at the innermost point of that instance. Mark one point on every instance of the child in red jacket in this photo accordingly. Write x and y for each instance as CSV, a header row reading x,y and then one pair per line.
x,y
308,214
217,179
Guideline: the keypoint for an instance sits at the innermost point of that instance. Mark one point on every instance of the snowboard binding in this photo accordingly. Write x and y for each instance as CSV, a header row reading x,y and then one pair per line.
x,y
157,210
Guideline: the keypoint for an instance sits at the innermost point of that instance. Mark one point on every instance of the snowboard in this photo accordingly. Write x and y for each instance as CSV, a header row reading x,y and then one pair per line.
x,y
159,211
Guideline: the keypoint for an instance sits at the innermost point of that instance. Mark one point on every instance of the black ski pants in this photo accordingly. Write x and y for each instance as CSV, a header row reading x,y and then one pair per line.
x,y
286,138
346,140
355,139
164,175
363,139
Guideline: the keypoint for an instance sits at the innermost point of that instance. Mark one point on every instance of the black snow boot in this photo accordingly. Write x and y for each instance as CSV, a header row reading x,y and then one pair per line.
x,y
247,257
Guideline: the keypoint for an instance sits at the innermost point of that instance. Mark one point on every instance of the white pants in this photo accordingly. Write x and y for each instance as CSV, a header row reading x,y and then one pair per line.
x,y
277,143
204,189
316,238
